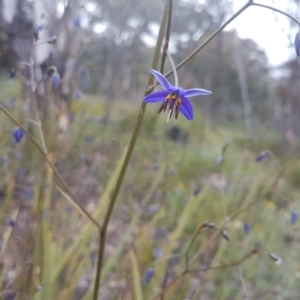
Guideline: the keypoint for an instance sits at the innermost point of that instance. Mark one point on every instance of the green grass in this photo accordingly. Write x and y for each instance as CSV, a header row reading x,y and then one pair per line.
x,y
54,246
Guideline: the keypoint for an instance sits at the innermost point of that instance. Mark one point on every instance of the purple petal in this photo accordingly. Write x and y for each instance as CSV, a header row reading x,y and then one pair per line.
x,y
196,92
159,96
161,79
186,108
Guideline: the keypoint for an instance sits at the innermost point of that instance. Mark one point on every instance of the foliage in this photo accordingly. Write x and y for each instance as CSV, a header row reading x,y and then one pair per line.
x,y
203,211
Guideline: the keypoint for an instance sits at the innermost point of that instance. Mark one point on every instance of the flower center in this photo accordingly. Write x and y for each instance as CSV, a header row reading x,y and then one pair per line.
x,y
174,101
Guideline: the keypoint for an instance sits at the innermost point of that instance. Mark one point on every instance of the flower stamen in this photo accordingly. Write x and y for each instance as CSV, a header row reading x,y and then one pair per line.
x,y
173,100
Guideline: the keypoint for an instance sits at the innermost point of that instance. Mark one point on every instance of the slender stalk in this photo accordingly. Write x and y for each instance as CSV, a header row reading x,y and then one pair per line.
x,y
103,231
59,177
173,66
168,33
249,3
186,272
191,242
278,10
34,91
234,264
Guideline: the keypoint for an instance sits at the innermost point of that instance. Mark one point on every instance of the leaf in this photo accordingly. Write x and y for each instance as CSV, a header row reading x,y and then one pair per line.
x,y
137,288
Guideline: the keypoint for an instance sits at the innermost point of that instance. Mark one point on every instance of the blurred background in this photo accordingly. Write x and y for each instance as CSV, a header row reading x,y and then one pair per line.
x,y
181,175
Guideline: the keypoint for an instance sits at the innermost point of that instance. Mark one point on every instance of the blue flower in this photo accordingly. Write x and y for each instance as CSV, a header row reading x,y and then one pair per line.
x,y
56,80
11,223
197,191
149,275
246,227
174,96
18,134
261,156
77,22
297,43
158,252
294,217
78,94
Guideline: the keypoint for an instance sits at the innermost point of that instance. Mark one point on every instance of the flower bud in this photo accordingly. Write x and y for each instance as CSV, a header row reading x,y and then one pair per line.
x,y
78,94
261,156
18,134
225,235
276,258
149,275
209,225
294,217
56,80
196,193
77,22
246,227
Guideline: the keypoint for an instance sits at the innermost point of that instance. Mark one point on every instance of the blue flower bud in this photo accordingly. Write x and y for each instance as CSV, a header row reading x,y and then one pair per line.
x,y
297,43
27,193
149,275
11,223
246,227
294,217
18,134
77,22
158,252
197,191
261,156
40,27
56,80
78,94
12,73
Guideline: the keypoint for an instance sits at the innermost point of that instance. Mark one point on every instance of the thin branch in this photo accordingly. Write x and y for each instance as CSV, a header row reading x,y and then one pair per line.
x,y
196,233
103,231
186,272
211,37
278,10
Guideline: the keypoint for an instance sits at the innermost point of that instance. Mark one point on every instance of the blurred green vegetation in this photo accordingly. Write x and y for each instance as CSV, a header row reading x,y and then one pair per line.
x,y
171,187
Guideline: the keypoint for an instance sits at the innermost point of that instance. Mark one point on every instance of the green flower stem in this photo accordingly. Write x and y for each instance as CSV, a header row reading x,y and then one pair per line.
x,y
278,10
132,142
249,3
63,183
